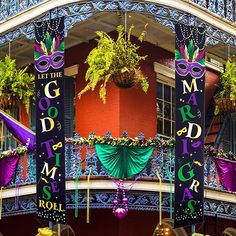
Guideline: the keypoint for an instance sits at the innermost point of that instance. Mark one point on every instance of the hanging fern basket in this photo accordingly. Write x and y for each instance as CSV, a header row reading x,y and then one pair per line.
x,y
226,105
124,80
8,102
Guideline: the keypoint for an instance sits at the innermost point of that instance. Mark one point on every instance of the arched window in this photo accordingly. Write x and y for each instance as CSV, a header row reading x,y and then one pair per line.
x,y
229,137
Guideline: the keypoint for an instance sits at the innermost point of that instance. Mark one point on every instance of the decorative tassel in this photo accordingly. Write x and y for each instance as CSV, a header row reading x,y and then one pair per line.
x,y
171,196
59,229
79,171
88,196
168,172
160,199
171,184
76,195
1,203
17,190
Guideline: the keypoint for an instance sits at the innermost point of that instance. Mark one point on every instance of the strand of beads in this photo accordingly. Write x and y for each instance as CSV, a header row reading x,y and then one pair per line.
x,y
120,208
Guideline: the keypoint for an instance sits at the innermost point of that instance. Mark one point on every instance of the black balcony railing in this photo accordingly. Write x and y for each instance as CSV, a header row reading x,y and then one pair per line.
x,y
80,158
10,8
223,8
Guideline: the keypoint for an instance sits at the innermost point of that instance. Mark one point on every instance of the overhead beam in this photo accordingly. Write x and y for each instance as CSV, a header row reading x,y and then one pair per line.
x,y
102,23
185,6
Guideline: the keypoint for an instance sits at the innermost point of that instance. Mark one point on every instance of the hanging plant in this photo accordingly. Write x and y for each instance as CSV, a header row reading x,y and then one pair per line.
x,y
16,85
225,100
116,61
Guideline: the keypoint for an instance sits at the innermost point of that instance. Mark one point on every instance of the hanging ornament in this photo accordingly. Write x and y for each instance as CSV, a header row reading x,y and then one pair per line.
x,y
120,203
162,230
46,232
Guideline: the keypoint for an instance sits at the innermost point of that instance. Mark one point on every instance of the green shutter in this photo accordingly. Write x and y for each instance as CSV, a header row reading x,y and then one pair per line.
x,y
69,108
33,115
9,141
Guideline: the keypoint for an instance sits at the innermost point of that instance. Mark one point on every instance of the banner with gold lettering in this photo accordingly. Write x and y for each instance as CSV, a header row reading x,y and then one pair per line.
x,y
190,115
50,139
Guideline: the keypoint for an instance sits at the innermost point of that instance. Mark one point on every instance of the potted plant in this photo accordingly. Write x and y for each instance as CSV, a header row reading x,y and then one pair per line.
x,y
116,61
16,85
225,100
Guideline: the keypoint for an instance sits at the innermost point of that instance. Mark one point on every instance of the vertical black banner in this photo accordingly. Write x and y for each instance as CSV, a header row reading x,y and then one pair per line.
x,y
50,140
190,115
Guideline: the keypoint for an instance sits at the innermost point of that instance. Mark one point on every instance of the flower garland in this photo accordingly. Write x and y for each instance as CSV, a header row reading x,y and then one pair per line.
x,y
123,141
218,153
157,142
20,150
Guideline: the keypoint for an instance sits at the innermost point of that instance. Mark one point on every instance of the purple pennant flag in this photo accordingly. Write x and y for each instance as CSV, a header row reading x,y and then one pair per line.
x,y
19,131
226,170
8,167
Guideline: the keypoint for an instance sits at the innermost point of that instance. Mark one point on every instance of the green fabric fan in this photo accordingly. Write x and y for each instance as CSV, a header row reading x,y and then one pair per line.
x,y
123,161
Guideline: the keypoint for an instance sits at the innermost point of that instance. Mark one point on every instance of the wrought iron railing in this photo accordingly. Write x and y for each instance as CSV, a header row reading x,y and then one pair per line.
x,y
79,158
11,8
223,8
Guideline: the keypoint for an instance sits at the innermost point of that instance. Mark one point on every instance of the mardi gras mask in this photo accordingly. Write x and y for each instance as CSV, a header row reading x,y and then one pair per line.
x,y
184,67
55,60
190,61
49,54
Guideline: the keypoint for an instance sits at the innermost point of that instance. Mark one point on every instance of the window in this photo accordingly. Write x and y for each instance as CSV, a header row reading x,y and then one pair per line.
x,y
165,100
69,107
7,140
229,138
165,109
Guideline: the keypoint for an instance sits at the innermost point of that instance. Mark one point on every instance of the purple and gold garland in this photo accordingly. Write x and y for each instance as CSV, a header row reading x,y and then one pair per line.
x,y
219,153
156,141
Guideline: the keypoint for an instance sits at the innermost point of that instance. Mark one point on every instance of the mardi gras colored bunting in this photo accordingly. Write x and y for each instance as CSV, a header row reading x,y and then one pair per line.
x,y
49,73
19,131
123,161
189,148
8,166
226,170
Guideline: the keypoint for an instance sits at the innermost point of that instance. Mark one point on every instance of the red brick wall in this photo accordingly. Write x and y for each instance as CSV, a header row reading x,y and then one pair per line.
x,y
126,109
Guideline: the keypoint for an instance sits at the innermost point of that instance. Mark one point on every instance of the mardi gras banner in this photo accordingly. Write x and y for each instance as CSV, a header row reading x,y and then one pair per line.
x,y
189,147
49,73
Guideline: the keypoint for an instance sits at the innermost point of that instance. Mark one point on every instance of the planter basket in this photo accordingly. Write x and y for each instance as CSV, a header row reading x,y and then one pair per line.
x,y
7,102
226,105
124,80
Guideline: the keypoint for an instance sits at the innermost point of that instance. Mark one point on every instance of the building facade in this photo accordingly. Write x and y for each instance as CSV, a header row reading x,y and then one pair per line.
x,y
127,113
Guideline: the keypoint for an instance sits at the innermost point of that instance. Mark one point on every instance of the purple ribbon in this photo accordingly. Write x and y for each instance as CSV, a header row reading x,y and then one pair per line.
x,y
19,131
226,170
8,167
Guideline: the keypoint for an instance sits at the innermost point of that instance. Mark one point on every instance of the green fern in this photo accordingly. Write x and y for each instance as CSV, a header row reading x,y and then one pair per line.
x,y
15,83
113,58
227,83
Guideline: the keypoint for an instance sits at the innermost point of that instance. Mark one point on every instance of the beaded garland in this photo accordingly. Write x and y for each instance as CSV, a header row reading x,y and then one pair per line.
x,y
45,25
194,32
209,151
120,208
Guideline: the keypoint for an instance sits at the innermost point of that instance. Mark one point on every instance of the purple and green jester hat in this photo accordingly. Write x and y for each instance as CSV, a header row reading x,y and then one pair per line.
x,y
49,54
190,61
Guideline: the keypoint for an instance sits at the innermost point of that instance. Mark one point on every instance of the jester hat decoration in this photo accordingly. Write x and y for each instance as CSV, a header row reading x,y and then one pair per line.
x,y
190,61
49,54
